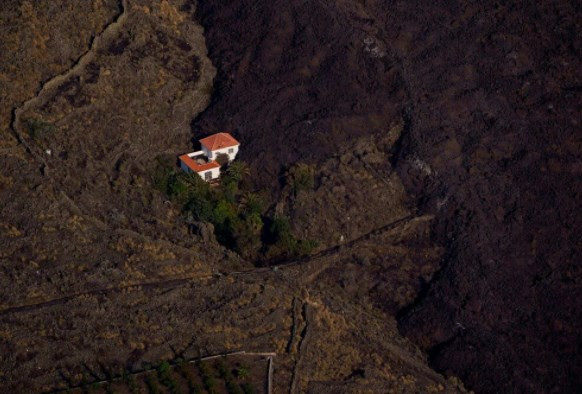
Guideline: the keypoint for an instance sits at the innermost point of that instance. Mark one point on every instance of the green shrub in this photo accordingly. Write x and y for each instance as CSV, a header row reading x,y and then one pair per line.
x,y
185,188
225,373
152,384
300,177
233,388
252,203
248,388
237,171
165,376
281,233
207,378
223,370
242,372
222,158
129,379
177,189
164,368
283,242
38,128
200,208
247,235
209,383
203,367
162,171
305,247
185,372
223,211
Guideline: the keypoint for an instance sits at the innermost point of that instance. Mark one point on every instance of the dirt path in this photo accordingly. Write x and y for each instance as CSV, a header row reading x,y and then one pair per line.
x,y
349,244
303,342
164,284
52,84
177,282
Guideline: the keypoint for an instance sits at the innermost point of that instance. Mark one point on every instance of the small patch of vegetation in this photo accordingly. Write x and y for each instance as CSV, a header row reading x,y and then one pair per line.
x,y
242,372
131,383
222,159
165,377
283,243
225,373
248,388
186,373
238,215
300,177
108,388
207,377
152,384
38,128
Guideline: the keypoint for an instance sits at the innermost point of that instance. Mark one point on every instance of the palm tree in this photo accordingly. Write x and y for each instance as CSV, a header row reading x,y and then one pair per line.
x,y
242,372
238,170
251,202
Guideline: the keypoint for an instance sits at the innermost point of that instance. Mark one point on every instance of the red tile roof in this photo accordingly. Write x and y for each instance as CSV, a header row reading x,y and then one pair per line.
x,y
219,141
198,167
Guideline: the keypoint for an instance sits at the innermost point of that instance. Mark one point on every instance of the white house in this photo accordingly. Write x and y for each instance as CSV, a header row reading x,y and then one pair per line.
x,y
219,143
203,162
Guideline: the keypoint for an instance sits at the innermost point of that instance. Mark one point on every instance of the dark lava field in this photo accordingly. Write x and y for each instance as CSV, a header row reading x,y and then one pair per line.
x,y
490,95
446,145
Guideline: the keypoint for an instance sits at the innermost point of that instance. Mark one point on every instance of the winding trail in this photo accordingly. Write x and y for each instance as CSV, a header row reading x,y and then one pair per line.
x,y
178,282
164,284
304,339
338,248
48,87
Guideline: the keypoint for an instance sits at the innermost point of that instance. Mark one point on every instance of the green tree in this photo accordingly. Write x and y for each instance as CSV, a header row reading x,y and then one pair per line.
x,y
198,200
229,189
281,232
222,159
177,189
237,170
163,170
283,242
247,235
224,211
252,203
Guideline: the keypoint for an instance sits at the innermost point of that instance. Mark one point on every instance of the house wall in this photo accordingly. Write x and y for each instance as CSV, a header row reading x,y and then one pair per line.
x,y
212,154
197,153
215,172
184,167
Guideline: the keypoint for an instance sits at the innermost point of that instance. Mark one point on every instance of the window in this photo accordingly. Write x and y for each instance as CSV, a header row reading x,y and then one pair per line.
x,y
208,175
230,150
